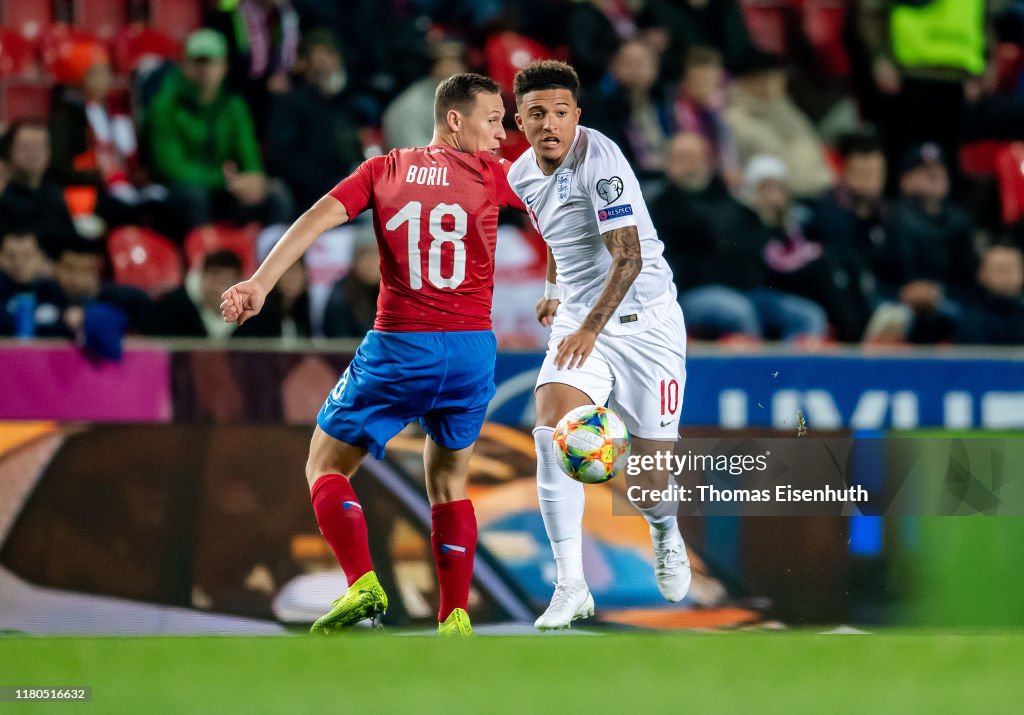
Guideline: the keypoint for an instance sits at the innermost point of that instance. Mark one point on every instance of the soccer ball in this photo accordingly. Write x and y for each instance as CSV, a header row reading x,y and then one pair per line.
x,y
591,444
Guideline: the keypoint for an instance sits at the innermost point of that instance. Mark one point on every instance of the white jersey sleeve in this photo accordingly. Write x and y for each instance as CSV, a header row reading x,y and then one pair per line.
x,y
612,186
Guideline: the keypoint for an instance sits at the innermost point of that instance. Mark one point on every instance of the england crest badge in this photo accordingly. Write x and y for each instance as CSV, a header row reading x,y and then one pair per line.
x,y
563,184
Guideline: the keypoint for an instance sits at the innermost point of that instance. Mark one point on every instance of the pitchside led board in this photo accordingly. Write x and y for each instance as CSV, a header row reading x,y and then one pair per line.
x,y
953,389
841,389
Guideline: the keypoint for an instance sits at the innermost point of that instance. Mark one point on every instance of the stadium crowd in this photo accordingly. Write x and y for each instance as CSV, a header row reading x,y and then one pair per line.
x,y
817,169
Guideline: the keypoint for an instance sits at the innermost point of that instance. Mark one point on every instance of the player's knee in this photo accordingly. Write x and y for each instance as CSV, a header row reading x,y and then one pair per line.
x,y
446,488
328,456
546,418
551,410
317,466
314,469
554,400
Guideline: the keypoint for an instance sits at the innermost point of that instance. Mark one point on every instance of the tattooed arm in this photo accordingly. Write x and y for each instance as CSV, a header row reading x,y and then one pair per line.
x,y
624,245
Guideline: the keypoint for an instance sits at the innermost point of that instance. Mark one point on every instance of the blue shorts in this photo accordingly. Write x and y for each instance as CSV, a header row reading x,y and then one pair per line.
x,y
444,380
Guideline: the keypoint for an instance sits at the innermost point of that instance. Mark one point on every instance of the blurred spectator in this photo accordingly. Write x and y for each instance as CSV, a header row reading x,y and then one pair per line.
x,y
383,41
263,40
764,120
709,236
851,218
4,171
714,23
935,74
797,264
30,302
409,119
595,27
994,312
78,272
22,262
851,223
292,294
625,109
30,202
204,146
193,310
934,242
313,134
714,245
352,304
698,107
93,139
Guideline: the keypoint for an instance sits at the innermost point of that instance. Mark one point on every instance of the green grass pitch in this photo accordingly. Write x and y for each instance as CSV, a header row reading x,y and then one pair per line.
x,y
783,672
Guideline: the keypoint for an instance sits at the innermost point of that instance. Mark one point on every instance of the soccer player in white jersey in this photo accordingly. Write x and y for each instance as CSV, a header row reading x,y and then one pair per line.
x,y
617,332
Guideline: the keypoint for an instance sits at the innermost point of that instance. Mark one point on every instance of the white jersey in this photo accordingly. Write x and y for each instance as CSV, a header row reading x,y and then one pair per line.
x,y
594,191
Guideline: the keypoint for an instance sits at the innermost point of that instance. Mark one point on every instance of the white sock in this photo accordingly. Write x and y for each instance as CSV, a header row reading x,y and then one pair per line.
x,y
662,516
561,505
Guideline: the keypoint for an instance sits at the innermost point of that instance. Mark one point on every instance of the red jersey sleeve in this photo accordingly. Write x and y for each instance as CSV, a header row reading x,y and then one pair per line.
x,y
503,193
355,192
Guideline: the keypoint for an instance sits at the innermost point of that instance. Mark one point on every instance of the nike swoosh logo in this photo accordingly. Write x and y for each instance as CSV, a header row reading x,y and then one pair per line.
x,y
666,424
529,202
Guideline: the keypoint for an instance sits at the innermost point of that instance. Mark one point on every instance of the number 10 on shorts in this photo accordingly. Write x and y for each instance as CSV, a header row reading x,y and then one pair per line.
x,y
669,397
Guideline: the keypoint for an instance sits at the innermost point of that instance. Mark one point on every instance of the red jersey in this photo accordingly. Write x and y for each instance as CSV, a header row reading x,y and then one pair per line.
x,y
435,213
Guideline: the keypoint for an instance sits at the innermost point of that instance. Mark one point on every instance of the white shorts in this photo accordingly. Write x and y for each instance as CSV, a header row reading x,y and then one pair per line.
x,y
639,376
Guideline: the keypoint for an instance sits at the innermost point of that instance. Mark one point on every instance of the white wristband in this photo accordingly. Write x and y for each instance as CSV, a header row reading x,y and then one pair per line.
x,y
550,291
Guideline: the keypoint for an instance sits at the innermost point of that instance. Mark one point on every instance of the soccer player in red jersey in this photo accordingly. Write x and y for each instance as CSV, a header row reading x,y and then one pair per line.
x,y
430,356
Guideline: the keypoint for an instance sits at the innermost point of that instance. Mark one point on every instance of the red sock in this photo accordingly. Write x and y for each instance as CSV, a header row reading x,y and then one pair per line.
x,y
453,538
340,516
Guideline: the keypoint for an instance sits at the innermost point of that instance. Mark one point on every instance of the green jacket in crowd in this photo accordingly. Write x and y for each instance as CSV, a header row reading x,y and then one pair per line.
x,y
190,142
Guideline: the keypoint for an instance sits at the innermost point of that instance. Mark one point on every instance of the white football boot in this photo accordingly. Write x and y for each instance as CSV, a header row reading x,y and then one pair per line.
x,y
671,564
570,602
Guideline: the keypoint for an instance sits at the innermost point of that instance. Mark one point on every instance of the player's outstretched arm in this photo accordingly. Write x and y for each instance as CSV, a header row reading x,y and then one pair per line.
x,y
244,300
624,245
548,304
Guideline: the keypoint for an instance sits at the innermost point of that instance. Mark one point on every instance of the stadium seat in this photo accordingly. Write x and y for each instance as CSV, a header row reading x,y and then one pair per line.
x,y
1010,173
102,18
508,52
16,55
978,159
54,42
137,44
207,239
823,24
144,259
27,17
81,200
766,20
24,98
176,17
1009,66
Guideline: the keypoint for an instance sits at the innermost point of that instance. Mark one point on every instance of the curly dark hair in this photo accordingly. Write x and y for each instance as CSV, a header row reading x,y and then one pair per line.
x,y
546,74
458,92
